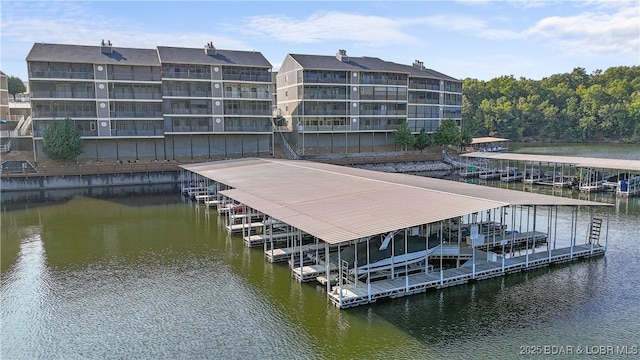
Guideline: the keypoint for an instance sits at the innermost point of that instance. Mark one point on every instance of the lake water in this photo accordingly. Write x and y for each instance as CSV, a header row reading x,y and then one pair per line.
x,y
157,277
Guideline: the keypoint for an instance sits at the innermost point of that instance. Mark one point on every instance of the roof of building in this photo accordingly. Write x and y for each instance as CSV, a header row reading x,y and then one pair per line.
x,y
364,63
430,73
92,55
338,204
487,139
599,163
179,55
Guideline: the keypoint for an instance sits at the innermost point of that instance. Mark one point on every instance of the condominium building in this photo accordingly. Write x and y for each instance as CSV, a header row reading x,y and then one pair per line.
x,y
4,97
343,103
162,103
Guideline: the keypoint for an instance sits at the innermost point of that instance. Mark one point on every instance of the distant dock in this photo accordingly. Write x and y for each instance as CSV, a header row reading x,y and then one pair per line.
x,y
588,174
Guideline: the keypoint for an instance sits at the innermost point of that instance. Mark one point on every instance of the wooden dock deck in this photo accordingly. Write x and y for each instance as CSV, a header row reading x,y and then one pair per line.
x,y
350,295
260,239
238,217
309,273
284,254
239,228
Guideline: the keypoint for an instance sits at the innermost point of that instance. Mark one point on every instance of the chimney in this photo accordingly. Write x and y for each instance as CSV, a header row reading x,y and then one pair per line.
x,y
209,49
342,55
418,65
106,48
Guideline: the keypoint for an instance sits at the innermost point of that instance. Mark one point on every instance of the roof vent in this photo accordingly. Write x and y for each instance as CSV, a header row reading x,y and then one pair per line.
x,y
342,55
209,49
418,65
105,47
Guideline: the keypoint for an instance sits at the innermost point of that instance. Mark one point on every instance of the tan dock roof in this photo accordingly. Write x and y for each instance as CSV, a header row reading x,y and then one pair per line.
x,y
599,163
484,140
338,204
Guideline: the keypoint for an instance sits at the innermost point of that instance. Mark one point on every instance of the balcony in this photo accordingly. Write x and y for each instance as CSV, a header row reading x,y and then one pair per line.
x,y
187,111
135,96
242,77
136,114
247,95
134,77
61,74
139,132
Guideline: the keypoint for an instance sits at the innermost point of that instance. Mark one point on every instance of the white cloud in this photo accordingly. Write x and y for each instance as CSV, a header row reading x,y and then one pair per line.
x,y
592,32
469,25
67,25
514,3
609,27
335,26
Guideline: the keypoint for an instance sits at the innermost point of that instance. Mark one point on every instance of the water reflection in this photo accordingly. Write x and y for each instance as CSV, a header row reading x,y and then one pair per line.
x,y
26,309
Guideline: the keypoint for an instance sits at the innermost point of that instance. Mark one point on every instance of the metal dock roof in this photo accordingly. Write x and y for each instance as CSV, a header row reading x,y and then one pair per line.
x,y
487,139
600,163
338,204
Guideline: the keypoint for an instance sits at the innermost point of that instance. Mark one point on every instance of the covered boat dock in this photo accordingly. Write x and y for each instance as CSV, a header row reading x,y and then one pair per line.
x,y
367,235
589,174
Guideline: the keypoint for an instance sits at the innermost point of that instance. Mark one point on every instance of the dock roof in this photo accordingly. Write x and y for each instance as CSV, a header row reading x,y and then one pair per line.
x,y
339,204
487,139
589,162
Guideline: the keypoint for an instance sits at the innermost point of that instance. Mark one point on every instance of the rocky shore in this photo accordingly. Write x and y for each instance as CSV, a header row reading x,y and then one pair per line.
x,y
408,167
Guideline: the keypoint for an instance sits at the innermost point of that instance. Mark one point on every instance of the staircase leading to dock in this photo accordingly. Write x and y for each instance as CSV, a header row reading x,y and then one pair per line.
x,y
282,142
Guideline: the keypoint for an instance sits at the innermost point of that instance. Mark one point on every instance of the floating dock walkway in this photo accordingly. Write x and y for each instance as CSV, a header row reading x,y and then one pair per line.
x,y
366,235
354,294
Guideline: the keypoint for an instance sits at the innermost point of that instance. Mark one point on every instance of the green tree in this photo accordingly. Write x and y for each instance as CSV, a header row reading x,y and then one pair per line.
x,y
61,140
465,139
573,106
447,133
403,136
423,140
15,86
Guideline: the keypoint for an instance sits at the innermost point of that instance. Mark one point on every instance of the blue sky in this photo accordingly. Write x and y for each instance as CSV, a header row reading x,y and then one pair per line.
x,y
467,38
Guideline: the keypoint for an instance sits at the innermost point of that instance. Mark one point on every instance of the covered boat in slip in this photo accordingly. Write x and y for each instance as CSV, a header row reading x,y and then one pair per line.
x,y
400,234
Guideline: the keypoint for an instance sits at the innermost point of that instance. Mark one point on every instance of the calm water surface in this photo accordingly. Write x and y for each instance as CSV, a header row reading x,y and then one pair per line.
x,y
157,277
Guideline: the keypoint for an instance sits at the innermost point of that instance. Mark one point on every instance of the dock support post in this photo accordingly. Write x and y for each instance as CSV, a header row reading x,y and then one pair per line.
x,y
526,242
574,219
606,239
550,218
473,251
503,256
355,264
368,271
441,256
299,236
393,255
326,264
406,266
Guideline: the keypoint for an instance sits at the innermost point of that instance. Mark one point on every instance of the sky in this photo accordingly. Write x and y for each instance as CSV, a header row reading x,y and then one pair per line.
x,y
480,39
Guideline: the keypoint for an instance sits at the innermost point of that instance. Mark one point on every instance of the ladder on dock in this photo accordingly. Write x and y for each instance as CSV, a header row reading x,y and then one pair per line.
x,y
344,273
594,235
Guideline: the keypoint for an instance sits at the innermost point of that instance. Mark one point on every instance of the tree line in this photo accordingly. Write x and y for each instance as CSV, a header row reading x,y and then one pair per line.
x,y
447,133
570,107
